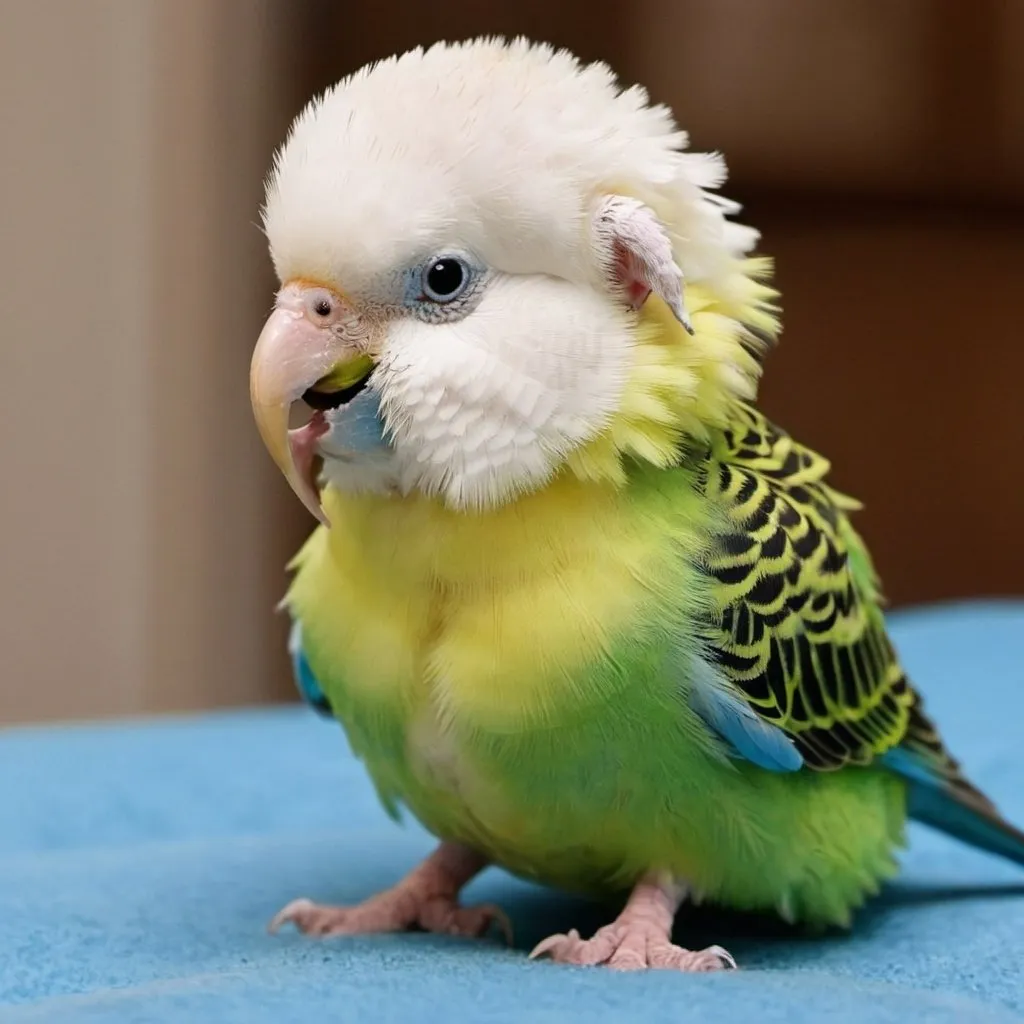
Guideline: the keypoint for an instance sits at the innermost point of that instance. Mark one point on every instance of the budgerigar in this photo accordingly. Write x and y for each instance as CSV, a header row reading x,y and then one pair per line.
x,y
578,605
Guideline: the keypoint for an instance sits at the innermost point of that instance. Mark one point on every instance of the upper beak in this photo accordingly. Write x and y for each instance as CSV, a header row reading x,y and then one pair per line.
x,y
298,349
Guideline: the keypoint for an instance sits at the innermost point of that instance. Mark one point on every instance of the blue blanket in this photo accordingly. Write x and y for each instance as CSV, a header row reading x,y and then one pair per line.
x,y
139,864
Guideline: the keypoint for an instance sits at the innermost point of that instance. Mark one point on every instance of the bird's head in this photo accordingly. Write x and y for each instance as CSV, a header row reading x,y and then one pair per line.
x,y
465,237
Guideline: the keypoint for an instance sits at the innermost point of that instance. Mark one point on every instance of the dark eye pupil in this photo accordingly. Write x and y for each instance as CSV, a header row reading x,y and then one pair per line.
x,y
445,277
322,307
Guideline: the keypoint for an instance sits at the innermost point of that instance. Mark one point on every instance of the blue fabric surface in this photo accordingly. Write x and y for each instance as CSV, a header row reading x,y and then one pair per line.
x,y
139,864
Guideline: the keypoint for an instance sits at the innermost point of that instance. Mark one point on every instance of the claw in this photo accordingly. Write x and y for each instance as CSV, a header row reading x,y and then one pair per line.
x,y
728,960
502,920
548,944
287,914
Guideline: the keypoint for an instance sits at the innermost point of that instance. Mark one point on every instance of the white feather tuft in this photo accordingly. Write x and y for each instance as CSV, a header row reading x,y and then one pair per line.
x,y
477,136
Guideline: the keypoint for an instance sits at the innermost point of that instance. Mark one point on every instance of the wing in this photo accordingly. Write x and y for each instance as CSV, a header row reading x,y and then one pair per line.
x,y
798,631
305,681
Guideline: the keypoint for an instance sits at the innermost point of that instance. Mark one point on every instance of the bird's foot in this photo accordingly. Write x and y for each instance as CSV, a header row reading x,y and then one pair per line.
x,y
640,938
392,911
426,898
625,947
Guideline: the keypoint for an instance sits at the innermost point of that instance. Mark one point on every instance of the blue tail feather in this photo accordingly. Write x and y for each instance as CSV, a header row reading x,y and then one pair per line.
x,y
956,809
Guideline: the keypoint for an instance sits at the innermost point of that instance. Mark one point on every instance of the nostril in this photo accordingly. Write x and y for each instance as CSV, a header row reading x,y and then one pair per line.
x,y
322,307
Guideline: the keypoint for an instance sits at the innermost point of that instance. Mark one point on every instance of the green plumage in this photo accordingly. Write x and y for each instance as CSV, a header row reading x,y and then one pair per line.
x,y
760,579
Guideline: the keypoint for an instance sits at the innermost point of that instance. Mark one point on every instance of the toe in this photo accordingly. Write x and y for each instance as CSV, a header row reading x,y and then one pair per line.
x,y
497,916
719,959
598,949
447,918
313,919
475,921
326,923
698,961
629,951
571,949
627,960
292,913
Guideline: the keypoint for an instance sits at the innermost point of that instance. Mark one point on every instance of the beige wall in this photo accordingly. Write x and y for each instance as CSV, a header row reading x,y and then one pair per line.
x,y
138,559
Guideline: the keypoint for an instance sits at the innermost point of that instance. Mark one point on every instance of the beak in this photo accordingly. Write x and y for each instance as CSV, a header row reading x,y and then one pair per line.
x,y
300,351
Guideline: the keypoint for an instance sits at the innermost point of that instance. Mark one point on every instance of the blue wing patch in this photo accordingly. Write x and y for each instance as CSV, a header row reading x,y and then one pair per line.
x,y
744,732
304,678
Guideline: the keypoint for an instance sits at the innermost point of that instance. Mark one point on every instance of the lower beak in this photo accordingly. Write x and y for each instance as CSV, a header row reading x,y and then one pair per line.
x,y
292,356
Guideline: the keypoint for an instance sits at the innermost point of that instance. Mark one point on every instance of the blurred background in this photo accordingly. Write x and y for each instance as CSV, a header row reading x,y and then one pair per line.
x,y
878,144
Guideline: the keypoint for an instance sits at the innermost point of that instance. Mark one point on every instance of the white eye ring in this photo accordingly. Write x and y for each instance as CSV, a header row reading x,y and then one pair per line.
x,y
445,278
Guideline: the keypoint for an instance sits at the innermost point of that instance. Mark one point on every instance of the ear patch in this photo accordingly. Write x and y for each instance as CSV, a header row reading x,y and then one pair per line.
x,y
636,253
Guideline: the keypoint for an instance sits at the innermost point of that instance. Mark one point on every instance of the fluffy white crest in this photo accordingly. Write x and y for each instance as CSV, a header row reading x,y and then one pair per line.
x,y
553,178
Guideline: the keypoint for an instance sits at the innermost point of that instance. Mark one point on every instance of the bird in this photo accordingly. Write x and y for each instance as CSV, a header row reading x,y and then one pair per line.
x,y
579,606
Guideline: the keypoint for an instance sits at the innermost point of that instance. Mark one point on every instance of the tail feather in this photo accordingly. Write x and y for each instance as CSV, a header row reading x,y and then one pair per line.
x,y
948,811
939,795
954,806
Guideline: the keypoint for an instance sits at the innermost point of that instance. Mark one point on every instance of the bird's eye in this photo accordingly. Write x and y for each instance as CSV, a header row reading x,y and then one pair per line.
x,y
322,307
445,279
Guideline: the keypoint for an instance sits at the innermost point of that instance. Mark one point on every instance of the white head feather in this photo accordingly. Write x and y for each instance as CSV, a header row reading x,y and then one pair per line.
x,y
502,150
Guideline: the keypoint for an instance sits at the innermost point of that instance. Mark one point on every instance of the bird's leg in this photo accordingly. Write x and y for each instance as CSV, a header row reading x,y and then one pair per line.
x,y
426,898
639,938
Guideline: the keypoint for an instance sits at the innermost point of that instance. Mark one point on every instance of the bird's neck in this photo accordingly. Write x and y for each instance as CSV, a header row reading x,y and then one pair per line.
x,y
418,541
